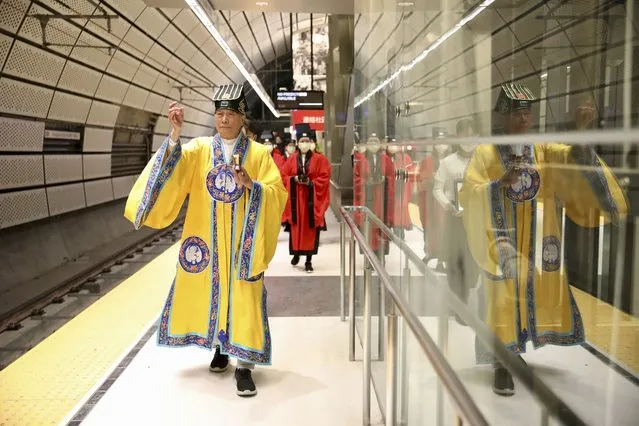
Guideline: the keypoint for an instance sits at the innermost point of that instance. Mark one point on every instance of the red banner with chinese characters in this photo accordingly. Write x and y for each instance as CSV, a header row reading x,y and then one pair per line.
x,y
314,117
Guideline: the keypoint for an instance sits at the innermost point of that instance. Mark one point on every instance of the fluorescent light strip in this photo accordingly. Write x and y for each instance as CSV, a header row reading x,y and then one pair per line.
x,y
251,78
466,19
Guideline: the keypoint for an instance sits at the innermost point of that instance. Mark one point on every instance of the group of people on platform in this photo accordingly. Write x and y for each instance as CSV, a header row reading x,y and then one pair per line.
x,y
242,189
306,174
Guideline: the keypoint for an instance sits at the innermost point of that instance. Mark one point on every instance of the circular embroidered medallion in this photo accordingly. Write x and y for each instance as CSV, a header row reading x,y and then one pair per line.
x,y
194,255
526,188
221,184
551,253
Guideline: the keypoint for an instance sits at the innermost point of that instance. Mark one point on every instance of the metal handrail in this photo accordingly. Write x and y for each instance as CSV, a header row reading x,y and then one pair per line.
x,y
553,404
441,366
599,137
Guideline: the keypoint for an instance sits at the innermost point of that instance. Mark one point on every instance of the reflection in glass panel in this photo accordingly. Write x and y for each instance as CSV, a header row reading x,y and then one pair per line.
x,y
535,235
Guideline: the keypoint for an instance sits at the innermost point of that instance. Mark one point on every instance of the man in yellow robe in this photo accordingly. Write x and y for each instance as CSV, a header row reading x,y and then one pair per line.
x,y
527,296
236,200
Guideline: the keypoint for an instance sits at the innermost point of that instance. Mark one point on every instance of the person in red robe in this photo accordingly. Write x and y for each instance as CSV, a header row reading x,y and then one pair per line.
x,y
404,169
278,157
374,187
307,176
431,214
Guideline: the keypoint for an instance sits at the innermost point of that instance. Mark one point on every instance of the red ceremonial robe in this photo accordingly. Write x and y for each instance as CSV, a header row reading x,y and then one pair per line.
x,y
404,186
279,158
307,204
374,187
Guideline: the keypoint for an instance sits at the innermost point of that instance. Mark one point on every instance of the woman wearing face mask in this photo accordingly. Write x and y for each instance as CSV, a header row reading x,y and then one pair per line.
x,y
404,187
374,187
463,273
431,214
307,176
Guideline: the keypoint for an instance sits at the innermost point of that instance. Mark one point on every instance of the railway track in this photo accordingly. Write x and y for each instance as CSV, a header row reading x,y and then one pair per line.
x,y
89,285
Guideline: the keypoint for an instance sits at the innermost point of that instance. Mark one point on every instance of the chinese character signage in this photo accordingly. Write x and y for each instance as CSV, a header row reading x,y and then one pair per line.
x,y
313,117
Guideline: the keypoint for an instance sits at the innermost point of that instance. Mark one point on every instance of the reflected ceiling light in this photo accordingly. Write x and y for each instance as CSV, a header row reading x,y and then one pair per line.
x,y
406,67
405,3
261,3
251,78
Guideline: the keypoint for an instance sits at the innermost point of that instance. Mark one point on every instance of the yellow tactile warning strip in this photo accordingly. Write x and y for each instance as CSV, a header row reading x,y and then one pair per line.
x,y
607,328
46,383
610,330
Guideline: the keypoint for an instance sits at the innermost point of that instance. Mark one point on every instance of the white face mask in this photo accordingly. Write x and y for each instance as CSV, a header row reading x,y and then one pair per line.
x,y
313,146
373,147
269,147
393,149
290,149
304,147
441,149
467,147
361,148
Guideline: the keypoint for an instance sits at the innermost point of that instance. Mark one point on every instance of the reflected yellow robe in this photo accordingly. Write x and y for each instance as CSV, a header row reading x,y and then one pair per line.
x,y
526,303
229,238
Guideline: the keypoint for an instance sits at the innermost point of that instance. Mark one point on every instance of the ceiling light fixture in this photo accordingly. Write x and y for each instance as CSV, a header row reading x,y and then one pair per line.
x,y
406,67
251,78
261,3
405,3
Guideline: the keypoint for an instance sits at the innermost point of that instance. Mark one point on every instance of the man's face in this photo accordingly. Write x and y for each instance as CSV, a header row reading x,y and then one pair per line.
x,y
228,123
518,122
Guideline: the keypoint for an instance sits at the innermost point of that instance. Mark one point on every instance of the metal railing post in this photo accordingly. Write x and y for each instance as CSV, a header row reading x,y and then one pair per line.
x,y
402,394
351,300
342,269
442,340
367,344
391,369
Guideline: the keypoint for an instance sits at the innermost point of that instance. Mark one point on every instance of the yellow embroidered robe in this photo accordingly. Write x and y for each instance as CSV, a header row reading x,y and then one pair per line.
x,y
501,223
229,238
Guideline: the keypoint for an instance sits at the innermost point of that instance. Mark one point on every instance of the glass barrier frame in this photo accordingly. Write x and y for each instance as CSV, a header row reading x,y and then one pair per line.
x,y
551,404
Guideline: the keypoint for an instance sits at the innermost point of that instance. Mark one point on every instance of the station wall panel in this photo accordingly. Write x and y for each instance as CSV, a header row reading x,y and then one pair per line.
x,y
33,64
21,135
62,168
97,166
162,126
22,207
157,142
95,57
154,103
103,114
80,79
122,65
66,198
97,140
112,89
18,171
69,108
122,186
138,40
136,97
5,45
24,99
11,14
98,191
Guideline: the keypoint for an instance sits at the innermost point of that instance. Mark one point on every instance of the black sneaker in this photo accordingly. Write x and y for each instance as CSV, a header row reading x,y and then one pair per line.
x,y
295,261
308,267
220,362
503,384
244,381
